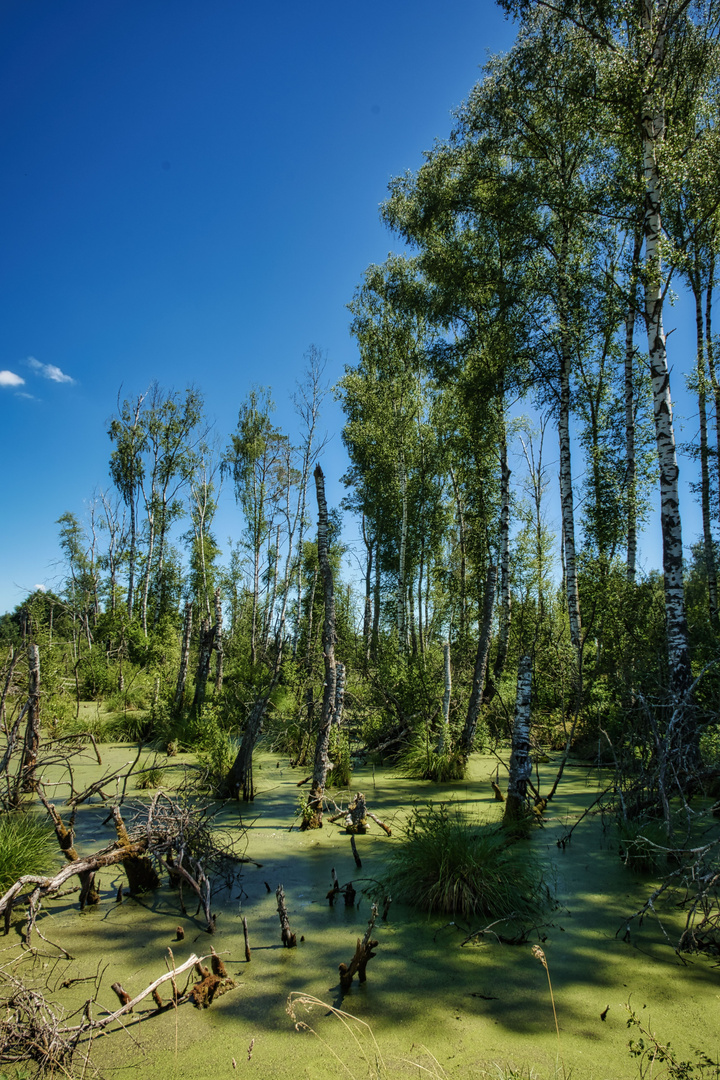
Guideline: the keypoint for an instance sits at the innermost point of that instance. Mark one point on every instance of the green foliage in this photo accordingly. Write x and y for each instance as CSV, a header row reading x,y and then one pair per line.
x,y
339,754
305,812
215,749
96,677
649,1052
710,746
27,846
448,862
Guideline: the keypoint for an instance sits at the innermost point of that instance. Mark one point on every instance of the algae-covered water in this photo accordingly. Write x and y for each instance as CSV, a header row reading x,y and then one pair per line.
x,y
430,1002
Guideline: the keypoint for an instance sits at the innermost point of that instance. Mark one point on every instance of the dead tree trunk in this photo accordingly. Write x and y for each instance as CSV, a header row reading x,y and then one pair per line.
x,y
88,892
481,660
240,777
520,764
313,819
141,874
289,939
32,731
445,723
219,651
184,659
364,952
207,640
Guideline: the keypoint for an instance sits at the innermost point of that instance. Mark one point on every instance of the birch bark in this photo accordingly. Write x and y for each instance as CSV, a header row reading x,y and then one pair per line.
x,y
653,134
520,764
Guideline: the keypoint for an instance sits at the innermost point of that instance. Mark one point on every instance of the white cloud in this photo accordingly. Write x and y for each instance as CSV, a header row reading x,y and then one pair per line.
x,y
40,588
49,371
9,378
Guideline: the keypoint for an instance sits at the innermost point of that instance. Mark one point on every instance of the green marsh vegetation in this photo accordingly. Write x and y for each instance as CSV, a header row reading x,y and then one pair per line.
x,y
469,627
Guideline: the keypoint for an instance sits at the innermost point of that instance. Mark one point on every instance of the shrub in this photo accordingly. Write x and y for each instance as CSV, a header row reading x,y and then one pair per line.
x,y
27,846
215,748
449,863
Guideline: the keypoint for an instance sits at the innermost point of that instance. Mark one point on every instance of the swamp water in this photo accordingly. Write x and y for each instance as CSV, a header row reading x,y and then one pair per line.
x,y
433,1005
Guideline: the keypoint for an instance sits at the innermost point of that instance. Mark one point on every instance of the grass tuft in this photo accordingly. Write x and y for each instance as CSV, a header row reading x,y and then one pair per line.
x,y
421,761
448,862
27,846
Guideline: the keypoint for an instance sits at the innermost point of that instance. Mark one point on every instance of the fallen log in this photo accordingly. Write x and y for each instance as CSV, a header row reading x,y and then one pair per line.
x,y
45,886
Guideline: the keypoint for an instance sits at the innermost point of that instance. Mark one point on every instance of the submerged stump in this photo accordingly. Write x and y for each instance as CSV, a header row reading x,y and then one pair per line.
x,y
364,952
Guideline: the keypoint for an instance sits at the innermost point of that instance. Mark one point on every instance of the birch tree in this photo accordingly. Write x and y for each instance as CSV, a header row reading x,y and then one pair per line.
x,y
655,60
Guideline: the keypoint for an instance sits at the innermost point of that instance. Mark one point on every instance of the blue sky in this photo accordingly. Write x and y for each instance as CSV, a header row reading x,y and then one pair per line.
x,y
189,194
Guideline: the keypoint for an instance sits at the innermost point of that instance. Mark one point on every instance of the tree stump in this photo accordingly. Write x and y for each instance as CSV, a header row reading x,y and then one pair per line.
x,y
141,874
289,939
364,952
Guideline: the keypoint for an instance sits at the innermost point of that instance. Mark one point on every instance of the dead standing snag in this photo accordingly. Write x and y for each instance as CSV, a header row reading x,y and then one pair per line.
x,y
364,952
289,939
312,819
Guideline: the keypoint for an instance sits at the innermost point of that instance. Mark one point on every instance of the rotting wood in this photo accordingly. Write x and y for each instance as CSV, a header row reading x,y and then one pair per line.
x,y
356,818
247,939
289,939
217,965
88,892
357,814
45,886
141,874
123,996
347,891
376,819
32,730
168,976
364,952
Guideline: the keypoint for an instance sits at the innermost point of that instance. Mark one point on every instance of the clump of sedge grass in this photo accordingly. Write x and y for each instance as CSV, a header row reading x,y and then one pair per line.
x,y
421,761
448,862
150,775
27,846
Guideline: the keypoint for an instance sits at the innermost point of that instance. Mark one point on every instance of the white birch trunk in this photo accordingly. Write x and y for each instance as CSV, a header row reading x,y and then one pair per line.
x,y
653,132
505,593
218,643
339,694
566,486
520,764
401,590
445,724
630,460
714,383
